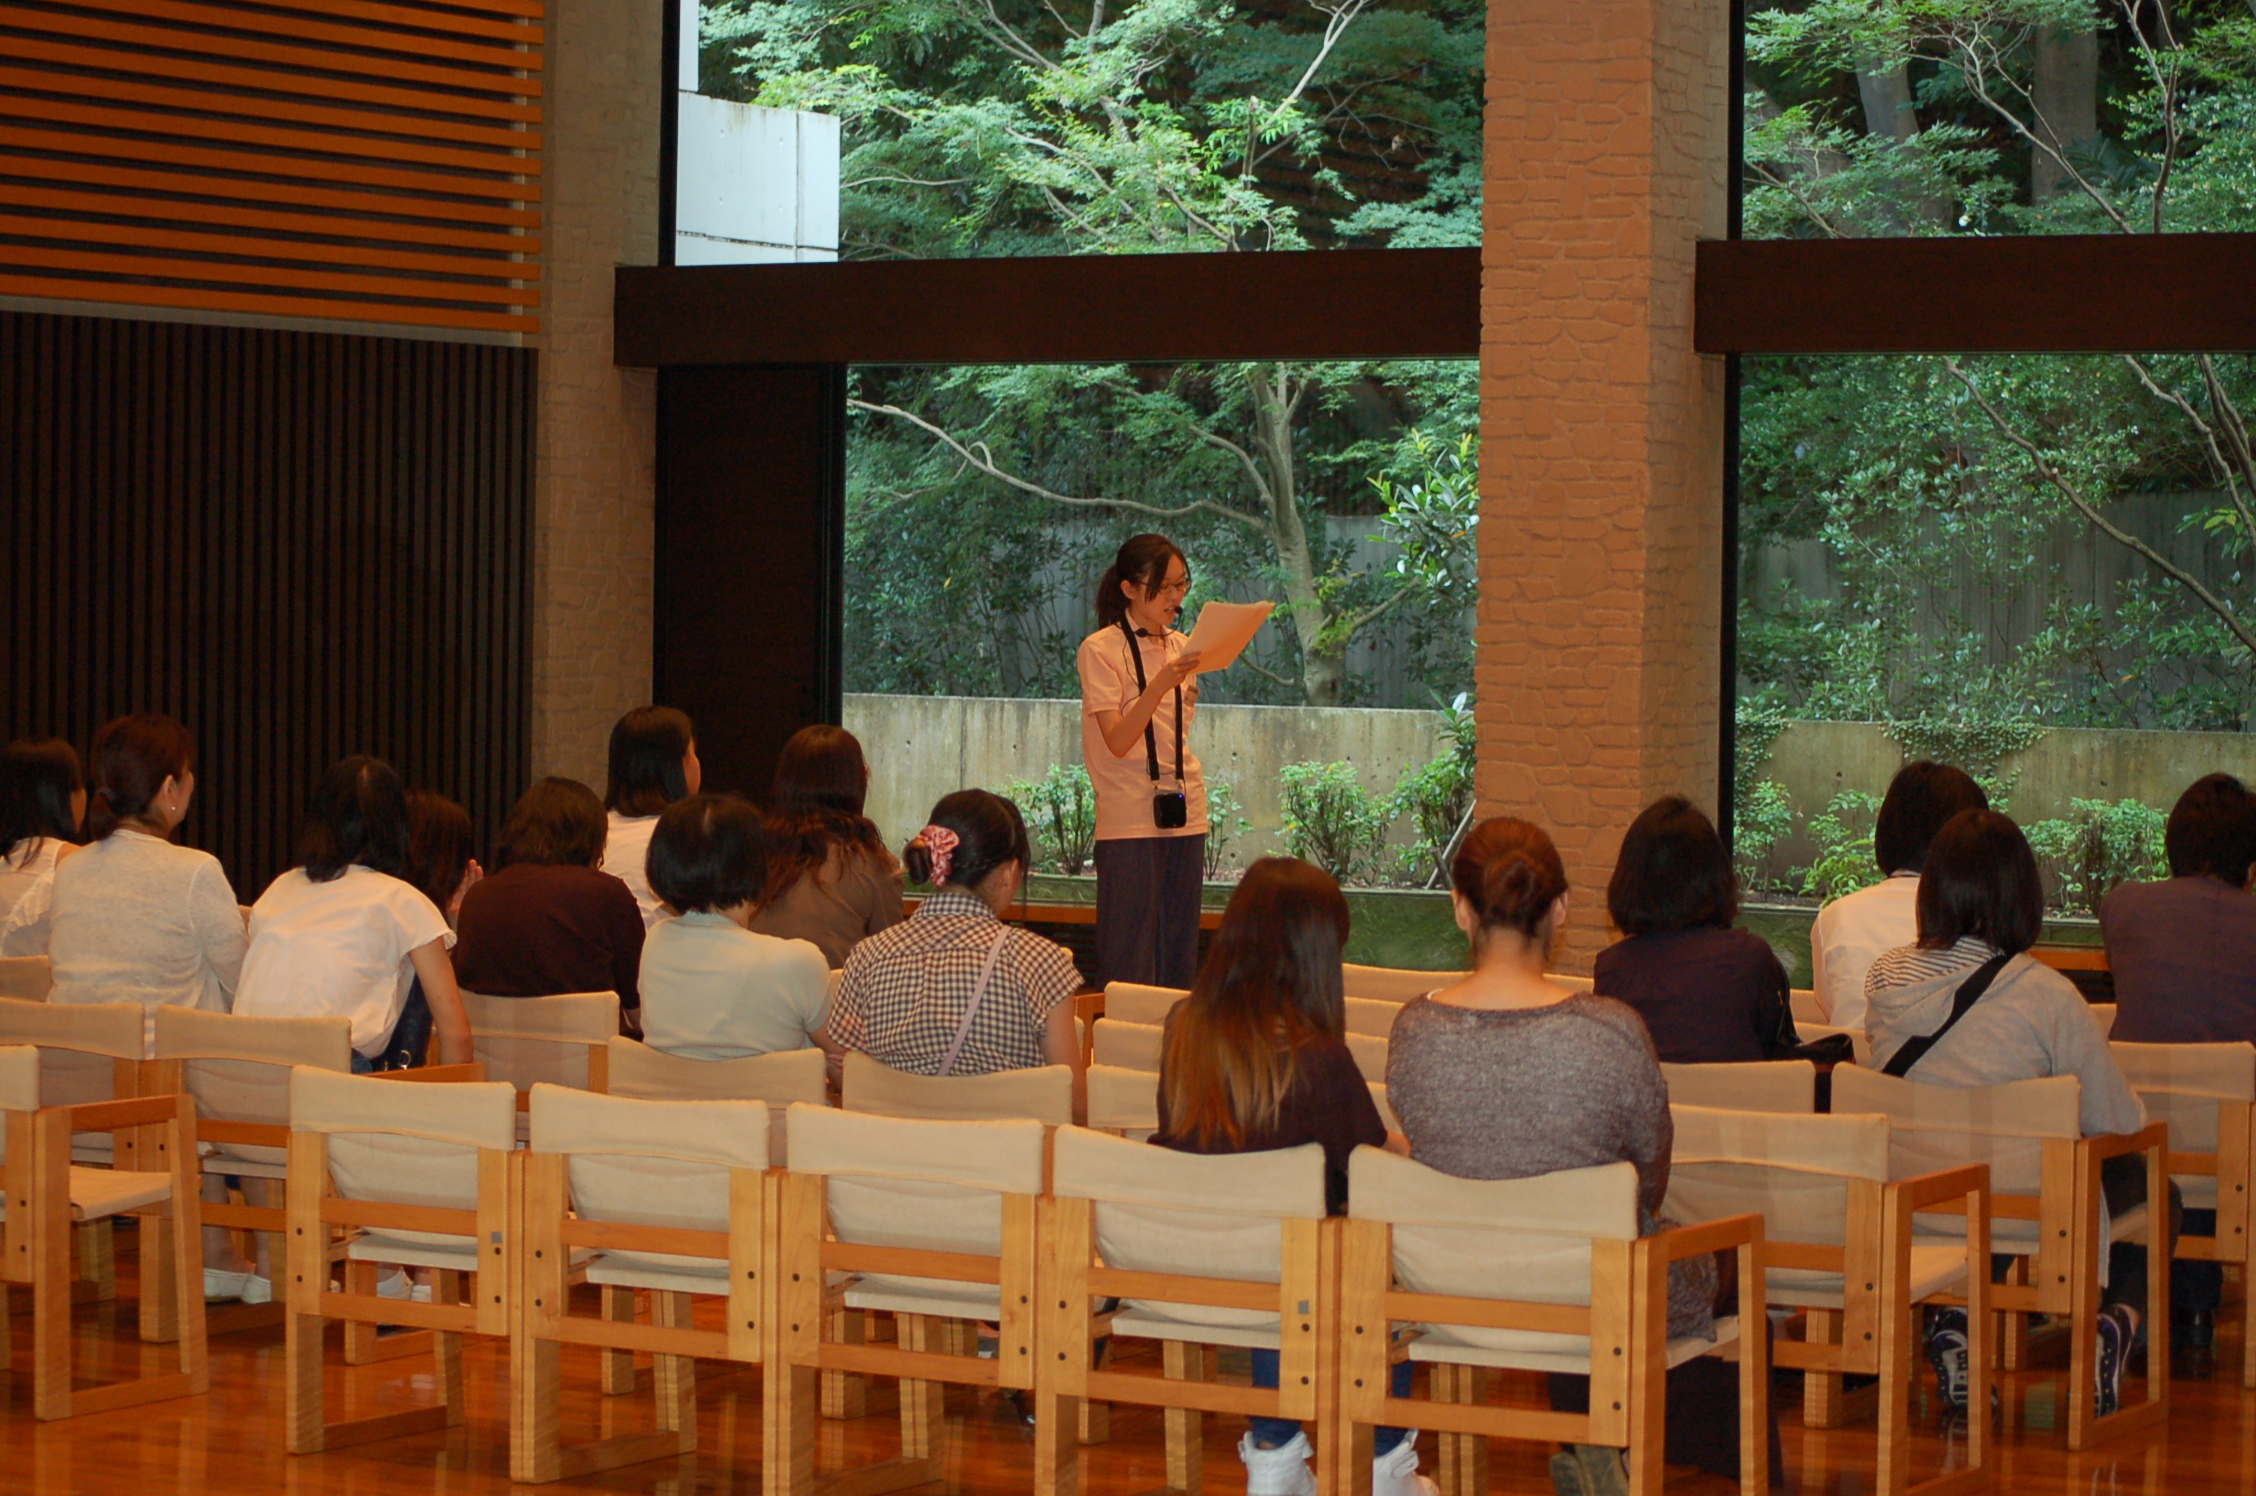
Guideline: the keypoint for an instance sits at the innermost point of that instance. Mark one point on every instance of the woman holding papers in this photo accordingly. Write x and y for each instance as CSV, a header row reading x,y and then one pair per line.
x,y
1139,692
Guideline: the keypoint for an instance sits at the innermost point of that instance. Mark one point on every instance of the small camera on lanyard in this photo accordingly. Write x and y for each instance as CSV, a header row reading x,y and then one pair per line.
x,y
1171,810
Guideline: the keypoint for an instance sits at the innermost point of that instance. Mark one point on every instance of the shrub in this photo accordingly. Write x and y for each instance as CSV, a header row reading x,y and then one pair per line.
x,y
2097,846
1844,846
1761,817
1061,817
1224,825
1436,797
1331,820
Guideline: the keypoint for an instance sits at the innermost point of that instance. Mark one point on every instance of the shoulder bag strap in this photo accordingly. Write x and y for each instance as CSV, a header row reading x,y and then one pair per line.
x,y
1970,992
1151,742
971,1010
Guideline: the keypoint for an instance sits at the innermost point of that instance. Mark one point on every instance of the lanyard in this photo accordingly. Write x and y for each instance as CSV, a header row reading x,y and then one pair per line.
x,y
1151,743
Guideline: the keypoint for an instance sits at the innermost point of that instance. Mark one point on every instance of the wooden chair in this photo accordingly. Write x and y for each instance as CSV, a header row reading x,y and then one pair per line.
x,y
2103,1014
1838,1246
934,1221
1393,984
1120,1045
1124,1102
1756,1086
782,1080
662,1196
1540,1274
46,1196
2046,1209
1133,1002
1232,1249
2206,1094
426,1177
1370,1056
1804,1004
1371,1017
91,1052
26,978
1044,1094
1860,1046
558,1041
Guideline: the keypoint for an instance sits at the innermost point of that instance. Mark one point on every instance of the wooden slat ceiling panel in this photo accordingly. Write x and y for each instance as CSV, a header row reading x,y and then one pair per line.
x,y
370,162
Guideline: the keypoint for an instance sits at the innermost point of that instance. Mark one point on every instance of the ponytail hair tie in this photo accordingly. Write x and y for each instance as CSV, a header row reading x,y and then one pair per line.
x,y
941,844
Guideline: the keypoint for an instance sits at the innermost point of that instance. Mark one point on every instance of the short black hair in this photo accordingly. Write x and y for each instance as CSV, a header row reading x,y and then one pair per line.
x,y
2237,844
38,776
1673,873
2195,837
358,814
1921,800
648,745
708,853
1980,879
556,823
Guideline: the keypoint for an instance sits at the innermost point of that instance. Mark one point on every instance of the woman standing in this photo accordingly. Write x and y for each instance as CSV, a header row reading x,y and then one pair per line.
x,y
1139,692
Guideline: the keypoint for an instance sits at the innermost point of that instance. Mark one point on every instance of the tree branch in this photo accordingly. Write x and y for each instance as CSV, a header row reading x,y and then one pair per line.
x,y
2208,436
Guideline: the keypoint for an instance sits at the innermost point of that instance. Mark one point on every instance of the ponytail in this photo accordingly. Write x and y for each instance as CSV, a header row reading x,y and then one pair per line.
x,y
1510,873
1143,560
133,757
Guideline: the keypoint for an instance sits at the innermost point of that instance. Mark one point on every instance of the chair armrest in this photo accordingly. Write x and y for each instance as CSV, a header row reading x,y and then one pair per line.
x,y
472,1072
1924,1190
2153,1136
109,1116
1680,1242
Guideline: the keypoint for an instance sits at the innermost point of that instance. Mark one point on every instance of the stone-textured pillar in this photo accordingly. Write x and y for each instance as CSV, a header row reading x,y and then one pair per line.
x,y
1601,430
592,529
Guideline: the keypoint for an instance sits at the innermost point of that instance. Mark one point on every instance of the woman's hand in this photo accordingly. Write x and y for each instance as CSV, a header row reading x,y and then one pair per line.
x,y
1177,670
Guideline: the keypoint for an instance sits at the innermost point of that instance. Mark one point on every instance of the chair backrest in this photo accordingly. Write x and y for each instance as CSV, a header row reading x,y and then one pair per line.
x,y
1528,1240
782,1079
1392,984
1571,983
238,1068
651,1163
2103,1014
1793,1171
1860,1045
26,978
1805,1008
1372,1016
1122,1100
1756,1086
1133,1002
1370,1056
1126,1046
87,1051
1042,1095
19,1084
529,1041
1942,1127
2183,1085
405,1145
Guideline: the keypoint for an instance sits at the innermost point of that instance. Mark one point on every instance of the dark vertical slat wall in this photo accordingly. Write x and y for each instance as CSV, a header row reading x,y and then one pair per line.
x,y
303,545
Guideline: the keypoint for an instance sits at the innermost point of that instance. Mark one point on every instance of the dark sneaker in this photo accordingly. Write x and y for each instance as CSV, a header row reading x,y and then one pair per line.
x,y
2116,1333
1946,1352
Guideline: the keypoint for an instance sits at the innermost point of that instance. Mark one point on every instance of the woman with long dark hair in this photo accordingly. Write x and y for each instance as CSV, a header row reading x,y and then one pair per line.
x,y
1256,1058
42,804
653,765
1139,694
830,879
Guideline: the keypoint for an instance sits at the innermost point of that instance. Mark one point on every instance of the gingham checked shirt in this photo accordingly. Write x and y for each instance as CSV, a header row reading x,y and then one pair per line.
x,y
904,990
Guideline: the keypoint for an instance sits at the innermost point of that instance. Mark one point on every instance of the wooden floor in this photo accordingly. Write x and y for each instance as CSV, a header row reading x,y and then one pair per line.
x,y
230,1441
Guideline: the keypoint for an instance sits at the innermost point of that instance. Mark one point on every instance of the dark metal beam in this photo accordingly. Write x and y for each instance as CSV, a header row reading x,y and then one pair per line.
x,y
1401,303
2129,293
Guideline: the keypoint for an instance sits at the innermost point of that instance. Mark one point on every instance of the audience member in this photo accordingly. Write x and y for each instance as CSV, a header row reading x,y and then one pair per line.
x,y
136,918
1853,930
711,988
42,805
344,932
830,880
1981,904
953,990
1256,1058
1505,1075
2183,951
546,921
653,765
440,851
1708,993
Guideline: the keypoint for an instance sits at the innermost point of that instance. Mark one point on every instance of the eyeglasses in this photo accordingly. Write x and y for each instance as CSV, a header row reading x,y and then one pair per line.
x,y
1174,586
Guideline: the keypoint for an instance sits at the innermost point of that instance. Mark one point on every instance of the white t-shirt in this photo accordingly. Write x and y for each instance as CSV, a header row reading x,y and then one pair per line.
x,y
340,947
713,990
625,850
137,919
27,895
1851,933
1123,784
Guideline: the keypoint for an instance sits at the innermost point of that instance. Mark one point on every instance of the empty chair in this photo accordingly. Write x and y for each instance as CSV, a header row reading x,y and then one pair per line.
x,y
671,1193
88,1052
1546,1273
1838,1245
46,1196
26,978
1126,1046
1393,984
1759,1086
781,1079
1133,1002
425,1174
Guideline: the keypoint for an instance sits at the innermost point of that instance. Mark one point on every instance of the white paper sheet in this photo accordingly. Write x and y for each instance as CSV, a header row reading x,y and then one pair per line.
x,y
1223,632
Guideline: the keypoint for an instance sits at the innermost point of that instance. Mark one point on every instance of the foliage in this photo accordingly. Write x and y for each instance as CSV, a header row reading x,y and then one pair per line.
x,y
1061,817
1973,743
1224,825
2097,846
1437,796
1331,820
1761,818
1844,847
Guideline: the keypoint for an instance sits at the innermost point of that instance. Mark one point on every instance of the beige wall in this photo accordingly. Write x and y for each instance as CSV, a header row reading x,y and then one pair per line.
x,y
592,545
1601,430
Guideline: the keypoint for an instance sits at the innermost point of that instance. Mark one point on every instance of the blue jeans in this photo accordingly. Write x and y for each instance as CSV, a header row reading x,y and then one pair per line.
x,y
1277,1432
362,1064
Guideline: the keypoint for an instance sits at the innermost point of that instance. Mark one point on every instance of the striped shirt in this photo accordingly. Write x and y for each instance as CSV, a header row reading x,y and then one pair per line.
x,y
905,989
1907,964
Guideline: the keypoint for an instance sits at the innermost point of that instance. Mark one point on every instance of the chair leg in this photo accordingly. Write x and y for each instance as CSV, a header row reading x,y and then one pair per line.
x,y
845,1394
1184,1361
2013,1328
446,1347
675,1377
1463,1458
789,1404
536,1452
2247,1329
161,1307
618,1366
97,1257
51,1313
1057,1464
304,1416
923,1404
360,1339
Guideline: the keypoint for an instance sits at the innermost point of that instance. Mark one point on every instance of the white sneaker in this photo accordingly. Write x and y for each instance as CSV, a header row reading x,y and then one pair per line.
x,y
219,1285
1282,1471
398,1285
257,1290
1395,1473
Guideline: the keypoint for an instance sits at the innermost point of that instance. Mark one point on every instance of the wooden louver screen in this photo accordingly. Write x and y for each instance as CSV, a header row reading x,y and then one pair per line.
x,y
341,159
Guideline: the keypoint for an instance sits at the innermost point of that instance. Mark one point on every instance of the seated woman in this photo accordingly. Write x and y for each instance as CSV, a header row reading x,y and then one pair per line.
x,y
1981,905
42,805
711,988
344,932
1256,1058
953,990
1504,1075
1708,993
653,765
830,880
546,921
440,867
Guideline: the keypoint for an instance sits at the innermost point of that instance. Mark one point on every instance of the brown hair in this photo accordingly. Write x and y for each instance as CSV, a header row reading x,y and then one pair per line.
x,y
1510,873
133,757
1673,873
1270,984
439,845
556,823
989,833
815,805
648,745
1143,560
